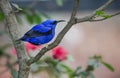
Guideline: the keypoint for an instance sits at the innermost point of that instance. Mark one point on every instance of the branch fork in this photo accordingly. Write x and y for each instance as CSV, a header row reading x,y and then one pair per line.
x,y
24,63
73,20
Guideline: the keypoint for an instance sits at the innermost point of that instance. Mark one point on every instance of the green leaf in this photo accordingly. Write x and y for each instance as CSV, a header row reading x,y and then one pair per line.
x,y
70,58
97,57
102,14
29,18
2,16
84,74
33,18
38,67
99,12
16,6
106,16
14,73
59,2
68,69
90,68
94,62
77,71
37,18
108,66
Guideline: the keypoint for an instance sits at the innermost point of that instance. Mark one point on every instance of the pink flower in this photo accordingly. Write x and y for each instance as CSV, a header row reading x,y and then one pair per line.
x,y
59,53
28,47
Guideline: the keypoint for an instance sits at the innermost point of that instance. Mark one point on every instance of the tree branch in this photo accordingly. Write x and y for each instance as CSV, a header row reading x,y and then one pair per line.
x,y
117,13
103,7
14,34
112,15
59,37
24,63
75,8
101,19
73,20
92,16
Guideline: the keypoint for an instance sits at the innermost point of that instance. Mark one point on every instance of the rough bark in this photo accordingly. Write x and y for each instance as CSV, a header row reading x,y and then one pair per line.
x,y
24,63
11,25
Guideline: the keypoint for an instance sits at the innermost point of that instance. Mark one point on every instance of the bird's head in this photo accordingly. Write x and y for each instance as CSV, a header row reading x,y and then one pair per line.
x,y
52,23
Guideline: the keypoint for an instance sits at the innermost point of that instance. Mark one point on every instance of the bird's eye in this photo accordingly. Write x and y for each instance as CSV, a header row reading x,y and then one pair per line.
x,y
54,22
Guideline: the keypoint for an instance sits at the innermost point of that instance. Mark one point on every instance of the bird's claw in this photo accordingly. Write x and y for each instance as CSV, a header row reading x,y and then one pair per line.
x,y
46,45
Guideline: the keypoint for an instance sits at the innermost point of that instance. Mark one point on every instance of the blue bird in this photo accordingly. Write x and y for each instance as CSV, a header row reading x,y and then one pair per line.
x,y
41,33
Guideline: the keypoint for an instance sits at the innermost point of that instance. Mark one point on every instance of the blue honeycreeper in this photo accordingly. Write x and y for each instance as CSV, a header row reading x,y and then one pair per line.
x,y
41,33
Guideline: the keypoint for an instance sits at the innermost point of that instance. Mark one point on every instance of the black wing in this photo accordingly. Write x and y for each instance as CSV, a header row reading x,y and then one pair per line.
x,y
33,33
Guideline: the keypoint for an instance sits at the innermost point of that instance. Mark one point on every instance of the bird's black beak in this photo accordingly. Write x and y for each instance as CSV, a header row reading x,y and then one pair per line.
x,y
60,21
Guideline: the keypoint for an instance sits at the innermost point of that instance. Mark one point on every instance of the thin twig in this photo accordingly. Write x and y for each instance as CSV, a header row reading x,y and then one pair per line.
x,y
92,16
112,15
59,37
12,26
117,13
103,7
95,20
73,20
75,8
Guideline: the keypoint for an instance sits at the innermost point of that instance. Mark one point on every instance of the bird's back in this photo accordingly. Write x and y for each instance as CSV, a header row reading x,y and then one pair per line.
x,y
39,34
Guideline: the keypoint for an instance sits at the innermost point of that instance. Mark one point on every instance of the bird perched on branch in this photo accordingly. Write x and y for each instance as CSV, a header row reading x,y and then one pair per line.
x,y
41,33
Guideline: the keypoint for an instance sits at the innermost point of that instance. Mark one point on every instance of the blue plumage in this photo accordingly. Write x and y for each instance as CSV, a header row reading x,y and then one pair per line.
x,y
41,33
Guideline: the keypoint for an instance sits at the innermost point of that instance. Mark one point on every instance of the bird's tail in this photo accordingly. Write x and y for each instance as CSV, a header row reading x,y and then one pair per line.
x,y
18,39
22,38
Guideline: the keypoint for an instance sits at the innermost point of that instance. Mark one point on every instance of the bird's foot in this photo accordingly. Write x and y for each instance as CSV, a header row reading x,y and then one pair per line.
x,y
45,45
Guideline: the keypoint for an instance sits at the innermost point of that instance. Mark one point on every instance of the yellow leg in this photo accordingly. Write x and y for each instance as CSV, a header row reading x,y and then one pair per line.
x,y
45,45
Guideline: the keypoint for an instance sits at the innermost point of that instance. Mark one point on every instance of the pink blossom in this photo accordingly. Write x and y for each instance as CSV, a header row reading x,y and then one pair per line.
x,y
59,53
28,47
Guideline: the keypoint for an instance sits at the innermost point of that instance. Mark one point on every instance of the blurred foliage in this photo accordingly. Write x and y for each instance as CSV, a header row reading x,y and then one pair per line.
x,y
3,48
1,16
34,18
13,71
108,66
54,68
59,2
98,59
31,15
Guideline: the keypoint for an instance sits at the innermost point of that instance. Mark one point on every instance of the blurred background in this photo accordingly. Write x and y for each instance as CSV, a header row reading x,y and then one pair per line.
x,y
82,41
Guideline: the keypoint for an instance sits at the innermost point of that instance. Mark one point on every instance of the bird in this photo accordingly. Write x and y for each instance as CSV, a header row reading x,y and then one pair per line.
x,y
41,33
